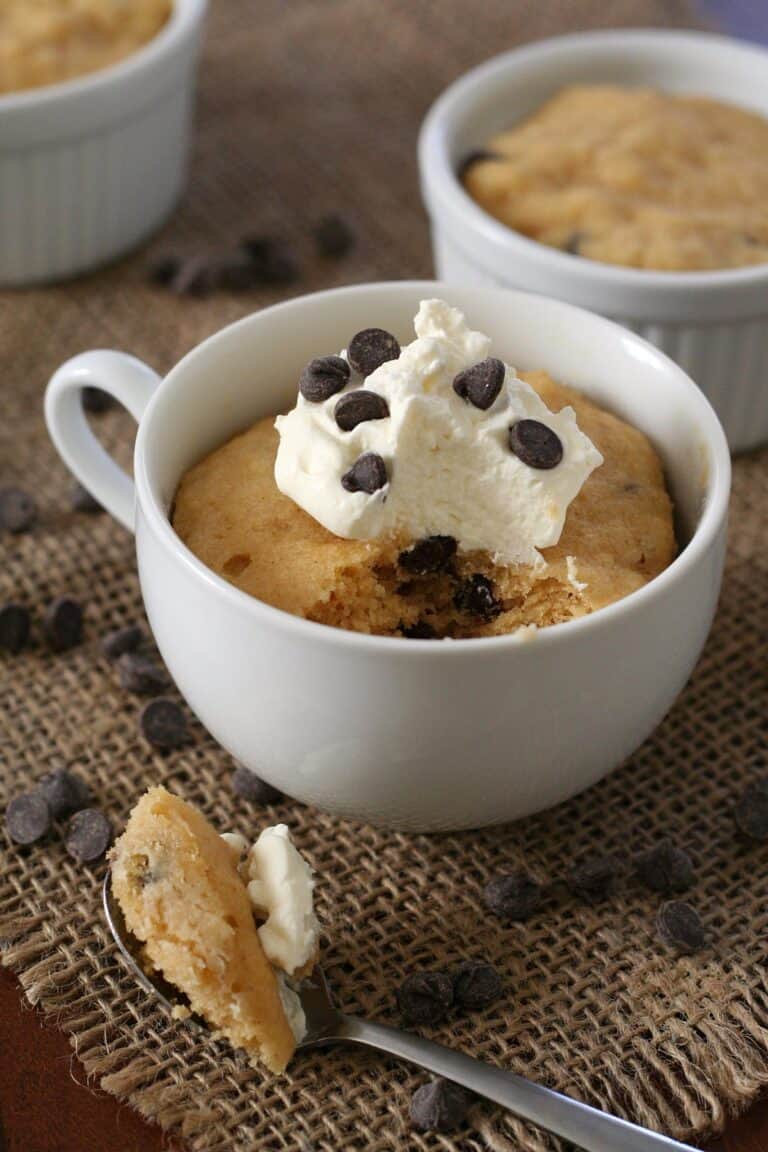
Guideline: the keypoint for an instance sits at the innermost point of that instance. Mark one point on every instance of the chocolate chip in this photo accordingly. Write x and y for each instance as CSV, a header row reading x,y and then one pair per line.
x,y
82,501
367,474
248,786
475,596
63,623
65,792
421,630
596,878
121,640
28,818
15,622
751,811
432,554
96,401
440,1106
195,276
358,407
515,896
481,384
18,510
476,985
535,444
272,263
476,156
665,868
88,835
680,926
425,997
574,242
371,348
163,270
333,236
236,271
323,377
162,723
140,675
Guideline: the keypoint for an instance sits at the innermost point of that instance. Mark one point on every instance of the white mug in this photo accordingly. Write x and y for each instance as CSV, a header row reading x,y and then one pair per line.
x,y
407,733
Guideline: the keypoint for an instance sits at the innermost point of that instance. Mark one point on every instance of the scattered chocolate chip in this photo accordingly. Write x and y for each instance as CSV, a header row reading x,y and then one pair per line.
x,y
162,723
680,926
665,868
333,236
574,242
481,384
164,270
367,474
371,348
28,818
96,401
440,1106
236,271
421,630
88,835
323,377
432,554
195,276
63,623
248,786
476,156
751,810
476,985
121,640
596,878
515,896
272,263
18,510
535,444
140,675
475,597
358,407
82,501
65,792
15,623
425,997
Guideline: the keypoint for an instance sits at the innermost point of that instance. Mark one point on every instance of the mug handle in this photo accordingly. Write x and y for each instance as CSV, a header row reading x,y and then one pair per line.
x,y
128,381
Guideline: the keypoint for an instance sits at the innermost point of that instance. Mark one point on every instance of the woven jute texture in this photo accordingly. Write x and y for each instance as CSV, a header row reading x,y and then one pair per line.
x,y
307,108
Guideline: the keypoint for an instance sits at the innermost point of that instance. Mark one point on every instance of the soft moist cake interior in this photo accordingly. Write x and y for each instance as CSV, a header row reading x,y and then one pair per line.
x,y
618,535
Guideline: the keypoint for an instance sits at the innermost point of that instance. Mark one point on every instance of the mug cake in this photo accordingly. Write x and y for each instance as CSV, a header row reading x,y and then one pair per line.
x,y
632,176
49,41
431,492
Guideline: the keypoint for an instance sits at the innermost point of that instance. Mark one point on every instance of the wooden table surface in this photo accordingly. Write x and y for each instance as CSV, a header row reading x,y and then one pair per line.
x,y
45,1105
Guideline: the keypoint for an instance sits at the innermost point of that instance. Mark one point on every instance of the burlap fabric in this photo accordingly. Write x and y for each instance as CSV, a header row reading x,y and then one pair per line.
x,y
307,108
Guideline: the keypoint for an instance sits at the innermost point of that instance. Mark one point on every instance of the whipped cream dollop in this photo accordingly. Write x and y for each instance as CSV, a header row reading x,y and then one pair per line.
x,y
280,886
450,469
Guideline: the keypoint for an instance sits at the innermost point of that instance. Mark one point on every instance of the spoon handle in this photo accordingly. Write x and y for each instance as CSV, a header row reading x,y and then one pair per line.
x,y
587,1128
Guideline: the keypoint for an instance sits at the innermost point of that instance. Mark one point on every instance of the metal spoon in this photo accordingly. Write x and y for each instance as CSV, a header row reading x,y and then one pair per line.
x,y
587,1128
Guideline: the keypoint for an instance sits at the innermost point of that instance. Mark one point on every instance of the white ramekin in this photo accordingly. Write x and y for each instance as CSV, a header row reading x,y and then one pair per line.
x,y
407,733
90,167
714,324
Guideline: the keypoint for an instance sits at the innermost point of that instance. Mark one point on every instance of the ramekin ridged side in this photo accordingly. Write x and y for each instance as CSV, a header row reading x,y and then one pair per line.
x,y
90,168
714,324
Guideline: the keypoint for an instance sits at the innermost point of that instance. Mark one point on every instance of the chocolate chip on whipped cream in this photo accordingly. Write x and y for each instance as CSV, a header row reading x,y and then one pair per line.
x,y
481,384
357,407
450,471
367,474
323,377
535,444
371,348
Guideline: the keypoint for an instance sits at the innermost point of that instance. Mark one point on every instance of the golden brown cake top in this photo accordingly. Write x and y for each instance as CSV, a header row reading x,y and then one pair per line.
x,y
633,176
48,41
